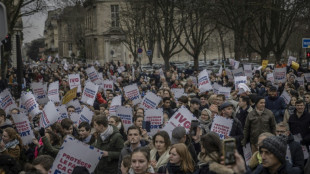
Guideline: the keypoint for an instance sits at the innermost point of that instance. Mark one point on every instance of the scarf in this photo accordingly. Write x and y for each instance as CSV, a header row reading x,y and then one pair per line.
x,y
104,135
11,144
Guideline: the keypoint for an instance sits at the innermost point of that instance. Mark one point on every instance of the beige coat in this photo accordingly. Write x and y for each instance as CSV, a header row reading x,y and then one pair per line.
x,y
163,160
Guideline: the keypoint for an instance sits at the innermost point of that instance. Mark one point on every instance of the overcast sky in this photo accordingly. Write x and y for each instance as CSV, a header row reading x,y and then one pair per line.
x,y
33,26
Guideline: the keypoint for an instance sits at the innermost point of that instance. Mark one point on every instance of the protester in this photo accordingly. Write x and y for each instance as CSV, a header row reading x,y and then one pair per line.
x,y
290,109
275,103
140,162
194,107
11,143
4,122
243,109
205,120
85,133
160,152
116,121
43,163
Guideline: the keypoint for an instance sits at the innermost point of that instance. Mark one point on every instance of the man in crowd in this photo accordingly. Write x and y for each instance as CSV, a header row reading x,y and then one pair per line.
x,y
203,102
167,107
276,104
194,107
243,109
85,133
307,102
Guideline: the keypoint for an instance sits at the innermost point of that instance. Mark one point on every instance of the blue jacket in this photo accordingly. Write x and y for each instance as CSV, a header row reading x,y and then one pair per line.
x,y
277,105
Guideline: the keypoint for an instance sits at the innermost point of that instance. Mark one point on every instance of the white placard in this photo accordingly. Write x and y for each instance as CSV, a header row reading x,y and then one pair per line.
x,y
62,110
30,104
290,60
150,101
280,75
89,93
238,72
86,115
270,77
40,92
307,76
53,92
248,70
108,84
76,104
93,75
121,69
240,79
204,83
155,117
220,71
75,81
49,115
132,92
221,126
301,81
247,153
229,74
178,92
75,153
181,117
286,97
125,114
7,102
216,87
225,90
116,101
23,127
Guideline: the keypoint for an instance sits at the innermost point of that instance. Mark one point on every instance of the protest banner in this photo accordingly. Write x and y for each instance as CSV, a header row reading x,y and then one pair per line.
x,y
247,153
75,153
53,92
307,76
178,92
221,126
280,75
89,93
301,81
264,64
216,87
295,65
225,90
116,101
181,117
76,104
150,101
161,73
234,63
290,60
121,69
132,92
155,117
240,79
23,127
7,102
86,115
248,70
50,115
204,83
70,95
238,72
30,104
62,110
75,81
93,75
298,138
107,84
75,117
125,114
229,74
270,77
219,73
40,92
194,80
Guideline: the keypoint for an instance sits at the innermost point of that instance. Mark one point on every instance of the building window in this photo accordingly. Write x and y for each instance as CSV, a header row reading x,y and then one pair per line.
x,y
70,46
115,15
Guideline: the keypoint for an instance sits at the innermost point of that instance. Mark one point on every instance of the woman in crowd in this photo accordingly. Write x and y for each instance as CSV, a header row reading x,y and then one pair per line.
x,y
116,121
160,152
11,143
140,161
290,109
205,120
51,143
180,161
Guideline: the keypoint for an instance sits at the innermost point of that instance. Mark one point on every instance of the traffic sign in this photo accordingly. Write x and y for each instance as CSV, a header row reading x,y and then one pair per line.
x,y
140,50
305,42
149,52
3,22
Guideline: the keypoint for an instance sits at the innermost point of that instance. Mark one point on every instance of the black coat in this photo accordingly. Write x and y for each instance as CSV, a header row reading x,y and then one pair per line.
x,y
296,152
237,133
284,169
171,168
301,125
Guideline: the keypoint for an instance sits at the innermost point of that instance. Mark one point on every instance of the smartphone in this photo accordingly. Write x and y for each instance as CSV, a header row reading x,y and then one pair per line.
x,y
146,125
229,147
194,125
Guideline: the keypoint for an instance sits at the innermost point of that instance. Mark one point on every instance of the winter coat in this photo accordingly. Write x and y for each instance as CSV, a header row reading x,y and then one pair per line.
x,y
13,151
48,148
191,148
283,169
277,106
300,125
6,124
163,160
297,154
113,144
256,124
171,169
241,114
288,112
237,133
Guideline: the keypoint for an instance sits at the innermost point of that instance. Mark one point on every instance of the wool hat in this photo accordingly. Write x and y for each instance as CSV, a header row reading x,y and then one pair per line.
x,y
225,105
177,134
276,145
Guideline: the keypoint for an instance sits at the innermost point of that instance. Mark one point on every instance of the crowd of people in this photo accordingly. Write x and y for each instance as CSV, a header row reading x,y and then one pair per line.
x,y
278,132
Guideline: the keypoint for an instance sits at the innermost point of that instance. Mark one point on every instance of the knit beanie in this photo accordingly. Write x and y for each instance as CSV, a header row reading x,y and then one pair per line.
x,y
277,146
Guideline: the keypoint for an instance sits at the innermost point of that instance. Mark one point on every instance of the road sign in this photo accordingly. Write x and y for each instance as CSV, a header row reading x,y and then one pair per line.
x,y
305,42
149,52
140,50
3,22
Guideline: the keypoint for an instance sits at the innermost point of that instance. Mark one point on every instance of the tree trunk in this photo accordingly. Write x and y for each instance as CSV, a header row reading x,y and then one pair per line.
x,y
196,62
167,64
239,51
222,45
151,59
278,56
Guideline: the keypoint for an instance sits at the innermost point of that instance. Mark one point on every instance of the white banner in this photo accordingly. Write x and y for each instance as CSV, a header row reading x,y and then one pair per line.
x,y
89,93
181,117
53,92
240,79
229,74
270,77
204,83
62,110
93,75
247,153
7,102
194,80
75,81
221,126
280,75
238,72
23,127
30,104
125,114
216,87
132,92
40,92
116,101
121,69
75,153
301,81
108,84
150,101
307,76
86,115
248,70
155,117
76,104
286,96
49,115
225,90
178,92
220,71
290,60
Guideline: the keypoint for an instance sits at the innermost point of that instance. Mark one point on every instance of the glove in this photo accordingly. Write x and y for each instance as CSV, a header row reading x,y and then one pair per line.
x,y
42,132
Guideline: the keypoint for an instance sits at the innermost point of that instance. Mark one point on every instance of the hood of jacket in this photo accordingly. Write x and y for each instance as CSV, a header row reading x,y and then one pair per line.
x,y
214,166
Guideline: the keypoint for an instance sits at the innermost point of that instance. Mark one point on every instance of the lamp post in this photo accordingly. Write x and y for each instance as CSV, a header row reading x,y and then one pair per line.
x,y
19,64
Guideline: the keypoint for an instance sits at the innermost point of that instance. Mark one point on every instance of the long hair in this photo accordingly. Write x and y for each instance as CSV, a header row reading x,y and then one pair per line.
x,y
13,135
187,162
212,145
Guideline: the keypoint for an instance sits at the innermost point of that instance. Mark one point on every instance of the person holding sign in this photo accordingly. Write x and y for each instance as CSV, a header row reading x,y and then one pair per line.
x,y
160,152
11,143
111,142
85,133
